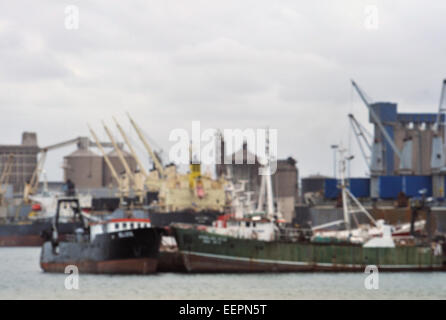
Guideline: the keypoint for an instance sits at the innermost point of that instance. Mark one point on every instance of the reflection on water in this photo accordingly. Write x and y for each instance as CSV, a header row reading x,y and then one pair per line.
x,y
22,278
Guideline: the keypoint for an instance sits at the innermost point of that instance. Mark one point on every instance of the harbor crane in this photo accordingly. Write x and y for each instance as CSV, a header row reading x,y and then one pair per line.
x,y
121,157
4,178
381,128
363,137
149,181
137,182
132,151
123,191
32,185
441,108
158,166
439,139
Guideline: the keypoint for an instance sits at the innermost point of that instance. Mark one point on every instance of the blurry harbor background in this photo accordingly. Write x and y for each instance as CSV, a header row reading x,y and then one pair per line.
x,y
22,278
228,65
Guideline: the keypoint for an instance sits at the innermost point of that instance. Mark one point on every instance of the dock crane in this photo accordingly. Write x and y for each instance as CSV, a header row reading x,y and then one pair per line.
x,y
4,178
130,146
362,136
439,139
380,125
149,181
158,166
121,157
441,107
438,147
137,182
123,191
32,185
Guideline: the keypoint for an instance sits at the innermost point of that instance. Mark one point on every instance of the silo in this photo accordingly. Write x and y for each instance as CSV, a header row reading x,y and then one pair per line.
x,y
84,168
117,164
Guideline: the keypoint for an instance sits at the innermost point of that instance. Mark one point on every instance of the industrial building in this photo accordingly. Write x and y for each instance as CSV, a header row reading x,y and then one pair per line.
x,y
404,154
25,160
86,169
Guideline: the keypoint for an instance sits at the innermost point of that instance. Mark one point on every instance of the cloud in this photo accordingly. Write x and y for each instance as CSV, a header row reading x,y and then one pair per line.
x,y
230,64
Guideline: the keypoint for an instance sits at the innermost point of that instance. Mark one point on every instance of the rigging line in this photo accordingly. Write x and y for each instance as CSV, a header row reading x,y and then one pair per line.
x,y
151,140
140,151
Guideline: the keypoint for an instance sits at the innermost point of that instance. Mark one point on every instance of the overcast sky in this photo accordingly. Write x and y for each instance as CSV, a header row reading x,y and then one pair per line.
x,y
229,64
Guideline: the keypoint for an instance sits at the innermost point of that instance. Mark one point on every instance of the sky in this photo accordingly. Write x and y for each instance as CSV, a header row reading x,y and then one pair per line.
x,y
285,65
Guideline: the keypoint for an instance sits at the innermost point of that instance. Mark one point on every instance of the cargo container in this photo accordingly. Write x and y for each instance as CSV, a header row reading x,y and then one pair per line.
x,y
360,187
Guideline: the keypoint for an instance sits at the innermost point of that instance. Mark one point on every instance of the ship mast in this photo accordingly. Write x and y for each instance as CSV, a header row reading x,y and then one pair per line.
x,y
342,169
266,184
269,186
347,196
350,204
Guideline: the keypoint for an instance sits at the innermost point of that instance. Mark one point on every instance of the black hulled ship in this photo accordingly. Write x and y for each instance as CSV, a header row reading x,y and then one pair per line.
x,y
122,246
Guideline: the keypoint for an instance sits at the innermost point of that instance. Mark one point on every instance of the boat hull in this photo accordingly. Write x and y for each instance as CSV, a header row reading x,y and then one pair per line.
x,y
171,261
31,234
205,252
126,252
126,266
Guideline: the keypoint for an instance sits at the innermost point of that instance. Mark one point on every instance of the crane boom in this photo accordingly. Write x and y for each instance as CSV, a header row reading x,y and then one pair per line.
x,y
119,152
5,175
107,160
61,144
31,186
36,174
7,169
158,165
129,145
378,122
441,109
359,131
78,140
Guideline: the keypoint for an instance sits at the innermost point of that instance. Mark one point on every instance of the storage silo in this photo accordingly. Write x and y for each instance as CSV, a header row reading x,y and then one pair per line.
x,y
108,178
84,168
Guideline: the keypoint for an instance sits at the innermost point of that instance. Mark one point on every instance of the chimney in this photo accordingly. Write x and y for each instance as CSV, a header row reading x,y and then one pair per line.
x,y
29,139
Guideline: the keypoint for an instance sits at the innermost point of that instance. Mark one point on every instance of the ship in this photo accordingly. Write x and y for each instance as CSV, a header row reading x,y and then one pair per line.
x,y
163,193
111,246
204,251
261,242
30,233
33,223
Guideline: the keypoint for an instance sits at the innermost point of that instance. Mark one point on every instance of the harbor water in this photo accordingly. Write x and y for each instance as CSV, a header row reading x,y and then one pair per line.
x,y
22,278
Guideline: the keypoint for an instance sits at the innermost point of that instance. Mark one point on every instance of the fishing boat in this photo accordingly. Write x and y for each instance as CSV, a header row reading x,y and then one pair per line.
x,y
113,246
261,243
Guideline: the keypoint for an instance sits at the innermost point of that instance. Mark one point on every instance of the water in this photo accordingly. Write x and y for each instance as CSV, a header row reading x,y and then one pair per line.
x,y
22,278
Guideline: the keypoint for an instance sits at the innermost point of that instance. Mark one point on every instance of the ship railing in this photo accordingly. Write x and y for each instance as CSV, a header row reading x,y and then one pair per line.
x,y
293,234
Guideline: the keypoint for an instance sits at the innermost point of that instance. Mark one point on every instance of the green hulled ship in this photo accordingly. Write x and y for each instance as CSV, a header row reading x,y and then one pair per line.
x,y
258,241
204,251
